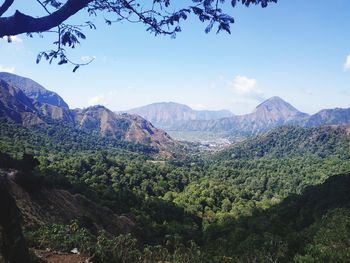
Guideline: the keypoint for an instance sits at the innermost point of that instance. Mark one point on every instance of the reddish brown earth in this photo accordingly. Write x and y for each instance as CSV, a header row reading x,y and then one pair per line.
x,y
55,257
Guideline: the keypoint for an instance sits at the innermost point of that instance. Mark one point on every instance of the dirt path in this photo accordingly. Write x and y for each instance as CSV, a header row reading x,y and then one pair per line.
x,y
55,257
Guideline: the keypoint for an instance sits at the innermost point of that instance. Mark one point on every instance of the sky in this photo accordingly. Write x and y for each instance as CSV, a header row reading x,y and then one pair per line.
x,y
298,50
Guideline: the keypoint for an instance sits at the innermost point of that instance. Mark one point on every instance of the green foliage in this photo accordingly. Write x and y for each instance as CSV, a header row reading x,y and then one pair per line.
x,y
60,139
24,176
61,238
120,249
299,224
239,187
331,241
291,142
283,204
111,249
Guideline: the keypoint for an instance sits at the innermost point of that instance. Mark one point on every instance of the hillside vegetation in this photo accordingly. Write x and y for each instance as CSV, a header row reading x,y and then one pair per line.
x,y
249,208
293,141
117,189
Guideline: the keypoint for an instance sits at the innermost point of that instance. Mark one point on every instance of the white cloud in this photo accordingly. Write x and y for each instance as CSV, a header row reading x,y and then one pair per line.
x,y
16,39
97,100
347,63
107,99
7,69
87,58
246,87
13,39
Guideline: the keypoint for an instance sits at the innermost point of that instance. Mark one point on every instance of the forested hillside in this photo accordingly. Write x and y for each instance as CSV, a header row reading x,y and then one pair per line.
x,y
242,208
293,141
56,138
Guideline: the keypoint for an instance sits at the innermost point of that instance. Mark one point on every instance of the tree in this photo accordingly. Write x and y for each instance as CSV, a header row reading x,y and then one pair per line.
x,y
158,16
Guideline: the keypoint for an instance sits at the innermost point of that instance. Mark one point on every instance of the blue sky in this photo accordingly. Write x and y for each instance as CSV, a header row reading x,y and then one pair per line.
x,y
297,50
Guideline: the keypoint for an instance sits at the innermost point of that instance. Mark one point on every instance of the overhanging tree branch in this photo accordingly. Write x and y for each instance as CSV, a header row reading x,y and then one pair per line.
x,y
20,23
158,16
5,6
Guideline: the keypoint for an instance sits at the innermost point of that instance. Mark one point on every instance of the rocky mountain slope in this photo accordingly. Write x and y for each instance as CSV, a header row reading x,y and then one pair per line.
x,y
15,105
21,206
168,115
33,90
132,128
50,205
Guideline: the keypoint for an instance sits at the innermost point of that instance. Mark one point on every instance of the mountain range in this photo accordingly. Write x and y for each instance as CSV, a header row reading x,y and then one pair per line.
x,y
167,115
273,112
29,104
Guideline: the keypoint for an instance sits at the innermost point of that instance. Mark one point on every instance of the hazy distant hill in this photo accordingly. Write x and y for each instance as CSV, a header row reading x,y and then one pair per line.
x,y
169,115
33,89
16,106
272,113
269,114
329,117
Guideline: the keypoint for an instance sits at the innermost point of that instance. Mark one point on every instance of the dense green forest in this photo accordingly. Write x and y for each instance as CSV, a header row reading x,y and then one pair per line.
x,y
289,141
280,197
60,138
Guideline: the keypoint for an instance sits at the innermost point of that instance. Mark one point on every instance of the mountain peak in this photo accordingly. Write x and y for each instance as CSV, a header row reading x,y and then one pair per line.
x,y
273,112
276,104
273,101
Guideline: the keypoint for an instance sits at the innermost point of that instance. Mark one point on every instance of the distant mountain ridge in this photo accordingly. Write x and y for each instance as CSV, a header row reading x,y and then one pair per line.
x,y
329,117
15,105
167,115
272,113
31,104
